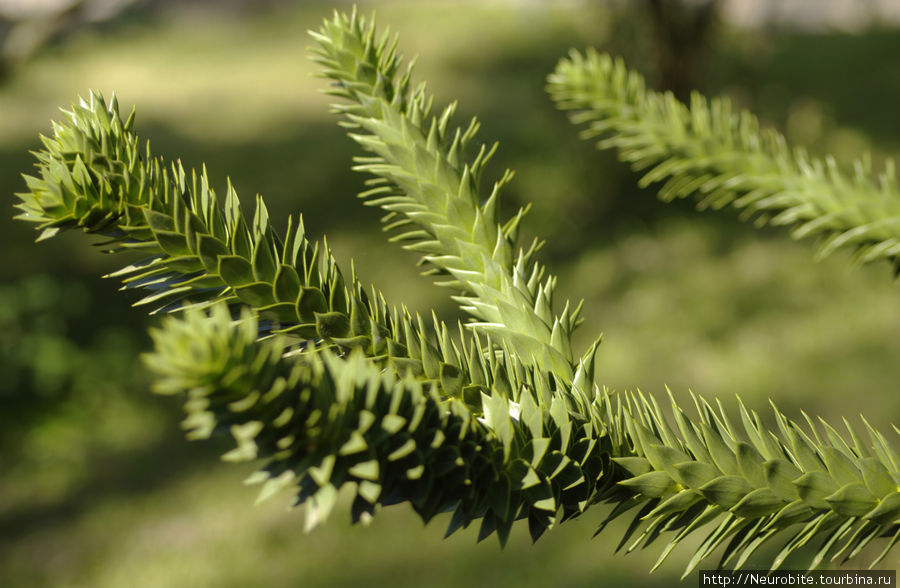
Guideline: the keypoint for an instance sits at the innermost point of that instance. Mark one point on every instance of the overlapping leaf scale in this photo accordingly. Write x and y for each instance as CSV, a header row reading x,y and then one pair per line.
x,y
719,155
835,490
83,167
432,195
92,176
321,422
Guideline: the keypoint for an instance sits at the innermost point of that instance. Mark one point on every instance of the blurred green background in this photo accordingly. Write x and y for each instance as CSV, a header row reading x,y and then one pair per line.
x,y
98,487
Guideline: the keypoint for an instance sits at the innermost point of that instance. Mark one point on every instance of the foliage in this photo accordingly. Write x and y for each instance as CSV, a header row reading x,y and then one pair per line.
x,y
332,386
709,151
425,185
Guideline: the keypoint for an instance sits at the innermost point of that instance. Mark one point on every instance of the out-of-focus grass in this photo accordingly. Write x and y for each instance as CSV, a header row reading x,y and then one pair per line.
x,y
757,318
202,529
98,489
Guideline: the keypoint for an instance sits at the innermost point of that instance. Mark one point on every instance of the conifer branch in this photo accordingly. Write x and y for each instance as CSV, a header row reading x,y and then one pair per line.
x,y
313,417
331,386
321,422
721,157
92,175
756,484
431,194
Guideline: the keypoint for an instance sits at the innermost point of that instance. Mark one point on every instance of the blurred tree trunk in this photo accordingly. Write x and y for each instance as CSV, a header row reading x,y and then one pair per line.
x,y
683,32
26,27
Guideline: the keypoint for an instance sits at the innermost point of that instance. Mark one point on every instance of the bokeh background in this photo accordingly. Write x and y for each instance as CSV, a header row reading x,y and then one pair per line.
x,y
98,487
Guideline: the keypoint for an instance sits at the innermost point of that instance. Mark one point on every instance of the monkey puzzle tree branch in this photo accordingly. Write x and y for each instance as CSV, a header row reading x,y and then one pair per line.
x,y
720,156
331,386
432,195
